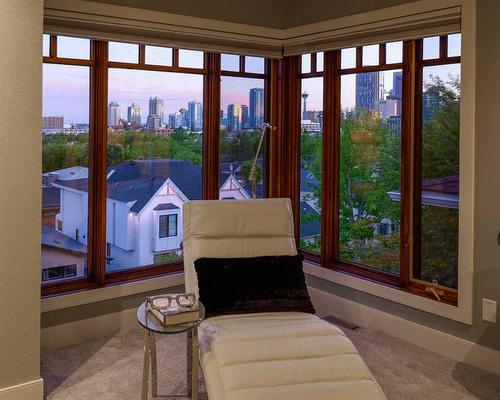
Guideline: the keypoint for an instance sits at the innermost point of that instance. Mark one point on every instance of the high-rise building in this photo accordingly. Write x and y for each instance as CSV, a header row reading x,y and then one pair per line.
x,y
430,103
175,120
153,121
304,105
157,107
245,118
184,118
369,90
256,109
53,122
113,114
195,116
134,114
397,85
234,115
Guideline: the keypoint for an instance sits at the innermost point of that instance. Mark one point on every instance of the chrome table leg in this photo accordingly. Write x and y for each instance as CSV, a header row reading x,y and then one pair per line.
x,y
145,369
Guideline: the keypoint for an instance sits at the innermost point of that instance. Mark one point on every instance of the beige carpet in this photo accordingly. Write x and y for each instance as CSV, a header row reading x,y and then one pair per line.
x,y
111,368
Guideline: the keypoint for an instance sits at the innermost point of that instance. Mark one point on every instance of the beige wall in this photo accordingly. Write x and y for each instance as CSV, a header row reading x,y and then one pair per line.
x,y
20,194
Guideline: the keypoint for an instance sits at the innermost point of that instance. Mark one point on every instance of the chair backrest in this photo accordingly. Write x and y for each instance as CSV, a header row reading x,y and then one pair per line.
x,y
235,228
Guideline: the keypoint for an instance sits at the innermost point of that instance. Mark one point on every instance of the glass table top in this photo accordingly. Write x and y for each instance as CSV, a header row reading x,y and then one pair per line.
x,y
150,322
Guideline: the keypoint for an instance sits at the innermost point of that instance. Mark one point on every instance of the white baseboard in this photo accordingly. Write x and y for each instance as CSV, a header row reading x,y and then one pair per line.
x,y
431,339
32,390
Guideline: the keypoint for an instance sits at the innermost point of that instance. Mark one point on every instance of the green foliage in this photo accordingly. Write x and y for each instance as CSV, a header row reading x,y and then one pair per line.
x,y
370,167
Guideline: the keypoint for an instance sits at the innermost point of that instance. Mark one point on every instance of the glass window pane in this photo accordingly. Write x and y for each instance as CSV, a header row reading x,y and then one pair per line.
x,y
230,62
440,175
431,48
65,141
242,102
454,45
70,47
306,63
46,45
394,52
310,164
320,61
371,55
123,52
254,65
154,162
370,170
190,58
348,58
156,55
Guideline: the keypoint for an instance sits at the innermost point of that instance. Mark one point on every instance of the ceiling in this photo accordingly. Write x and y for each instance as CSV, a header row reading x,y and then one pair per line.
x,y
269,13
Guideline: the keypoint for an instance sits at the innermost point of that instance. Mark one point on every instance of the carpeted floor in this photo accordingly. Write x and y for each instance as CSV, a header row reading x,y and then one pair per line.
x,y
111,369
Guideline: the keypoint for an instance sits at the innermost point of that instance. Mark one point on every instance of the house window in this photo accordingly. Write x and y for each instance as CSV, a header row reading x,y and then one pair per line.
x,y
65,147
60,272
167,225
311,152
393,202
150,131
242,117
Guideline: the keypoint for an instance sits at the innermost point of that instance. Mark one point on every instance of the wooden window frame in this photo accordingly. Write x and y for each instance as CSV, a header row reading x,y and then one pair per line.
x,y
412,66
98,99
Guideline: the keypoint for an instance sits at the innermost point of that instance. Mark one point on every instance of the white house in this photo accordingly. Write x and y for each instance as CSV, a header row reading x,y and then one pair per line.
x,y
144,209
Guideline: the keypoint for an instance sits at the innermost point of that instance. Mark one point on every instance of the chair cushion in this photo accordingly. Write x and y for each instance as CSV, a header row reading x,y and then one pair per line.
x,y
252,285
282,356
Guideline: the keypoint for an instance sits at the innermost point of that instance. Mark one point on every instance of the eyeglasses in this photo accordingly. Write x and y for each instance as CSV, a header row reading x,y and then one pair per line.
x,y
165,300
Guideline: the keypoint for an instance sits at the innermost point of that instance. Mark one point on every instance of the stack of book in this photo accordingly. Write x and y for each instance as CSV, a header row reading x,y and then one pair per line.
x,y
170,313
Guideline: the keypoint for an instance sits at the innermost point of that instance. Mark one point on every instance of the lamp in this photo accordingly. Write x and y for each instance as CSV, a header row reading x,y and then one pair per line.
x,y
253,170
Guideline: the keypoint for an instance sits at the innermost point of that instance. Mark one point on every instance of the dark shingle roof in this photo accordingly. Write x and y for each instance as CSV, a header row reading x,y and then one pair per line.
x,y
447,184
311,226
165,206
308,182
139,180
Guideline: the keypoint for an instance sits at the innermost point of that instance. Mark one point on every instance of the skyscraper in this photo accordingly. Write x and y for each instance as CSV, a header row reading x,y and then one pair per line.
x,y
234,114
369,90
134,114
175,120
245,120
397,85
156,107
195,116
184,118
113,114
256,100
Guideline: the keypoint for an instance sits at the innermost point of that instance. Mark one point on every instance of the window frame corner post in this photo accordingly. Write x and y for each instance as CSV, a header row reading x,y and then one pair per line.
x,y
211,126
331,158
275,116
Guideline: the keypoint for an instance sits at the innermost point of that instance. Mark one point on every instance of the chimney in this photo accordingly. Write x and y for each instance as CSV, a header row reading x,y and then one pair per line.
x,y
53,176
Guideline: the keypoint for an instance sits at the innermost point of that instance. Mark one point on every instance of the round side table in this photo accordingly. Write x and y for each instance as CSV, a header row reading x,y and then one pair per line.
x,y
152,326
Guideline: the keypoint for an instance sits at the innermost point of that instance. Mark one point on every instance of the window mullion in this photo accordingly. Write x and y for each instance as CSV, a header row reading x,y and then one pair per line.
x,y
410,98
211,126
97,162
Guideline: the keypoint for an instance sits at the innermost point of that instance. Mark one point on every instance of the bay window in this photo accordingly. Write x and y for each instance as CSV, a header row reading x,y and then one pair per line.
x,y
130,133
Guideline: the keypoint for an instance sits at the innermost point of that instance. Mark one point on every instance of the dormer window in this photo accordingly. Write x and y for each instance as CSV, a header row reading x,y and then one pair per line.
x,y
168,225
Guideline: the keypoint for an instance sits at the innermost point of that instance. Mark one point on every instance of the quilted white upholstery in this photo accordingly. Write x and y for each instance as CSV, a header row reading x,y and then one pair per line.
x,y
282,356
286,355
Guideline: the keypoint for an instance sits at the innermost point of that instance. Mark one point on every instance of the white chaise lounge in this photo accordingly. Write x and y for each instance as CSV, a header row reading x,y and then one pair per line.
x,y
278,356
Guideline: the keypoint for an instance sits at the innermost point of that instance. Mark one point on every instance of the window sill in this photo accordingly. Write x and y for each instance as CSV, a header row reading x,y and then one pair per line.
x,y
390,293
111,292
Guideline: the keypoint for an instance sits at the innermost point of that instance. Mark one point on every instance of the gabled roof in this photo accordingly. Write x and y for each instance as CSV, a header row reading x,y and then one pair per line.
x,y
311,226
166,206
138,180
308,182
